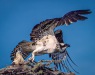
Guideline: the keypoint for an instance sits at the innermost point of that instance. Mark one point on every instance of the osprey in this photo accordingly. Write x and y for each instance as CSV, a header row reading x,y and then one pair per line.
x,y
23,49
43,34
45,40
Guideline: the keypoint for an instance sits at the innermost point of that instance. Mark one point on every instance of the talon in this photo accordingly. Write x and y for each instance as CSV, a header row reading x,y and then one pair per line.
x,y
31,59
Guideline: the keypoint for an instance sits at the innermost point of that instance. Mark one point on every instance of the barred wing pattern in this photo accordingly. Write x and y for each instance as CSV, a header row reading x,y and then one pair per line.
x,y
46,27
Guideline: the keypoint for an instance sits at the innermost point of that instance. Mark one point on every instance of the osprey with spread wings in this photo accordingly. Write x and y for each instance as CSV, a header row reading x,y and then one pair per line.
x,y
47,41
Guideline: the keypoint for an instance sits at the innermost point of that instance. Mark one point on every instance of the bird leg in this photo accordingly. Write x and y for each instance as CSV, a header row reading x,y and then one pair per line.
x,y
35,52
33,56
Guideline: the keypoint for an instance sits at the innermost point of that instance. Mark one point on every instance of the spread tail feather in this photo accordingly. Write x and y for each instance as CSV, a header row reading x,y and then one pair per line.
x,y
20,48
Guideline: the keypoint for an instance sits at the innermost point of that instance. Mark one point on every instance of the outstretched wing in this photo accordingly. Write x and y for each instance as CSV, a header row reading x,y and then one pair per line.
x,y
46,27
63,55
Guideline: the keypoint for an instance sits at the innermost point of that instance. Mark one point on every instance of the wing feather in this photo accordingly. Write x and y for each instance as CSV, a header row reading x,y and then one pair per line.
x,y
59,36
46,27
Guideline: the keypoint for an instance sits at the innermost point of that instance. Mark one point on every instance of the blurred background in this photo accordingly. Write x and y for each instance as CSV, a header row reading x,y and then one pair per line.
x,y
17,18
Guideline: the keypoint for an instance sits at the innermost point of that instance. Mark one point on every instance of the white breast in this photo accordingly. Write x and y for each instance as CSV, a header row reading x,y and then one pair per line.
x,y
50,42
47,44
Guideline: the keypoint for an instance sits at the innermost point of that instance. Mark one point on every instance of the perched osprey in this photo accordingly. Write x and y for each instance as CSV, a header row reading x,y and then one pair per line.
x,y
23,49
45,40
